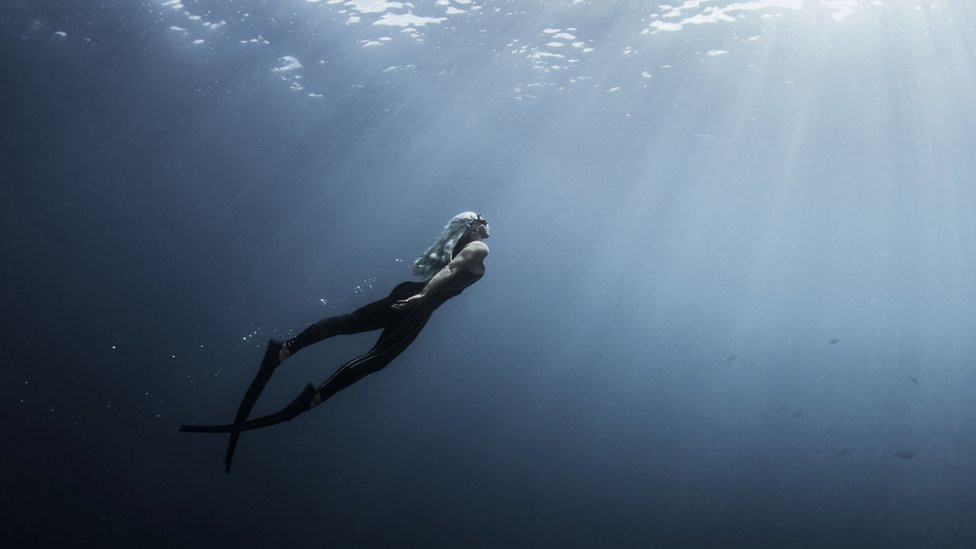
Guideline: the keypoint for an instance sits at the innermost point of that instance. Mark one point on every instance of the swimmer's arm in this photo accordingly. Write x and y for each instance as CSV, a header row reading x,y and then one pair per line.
x,y
473,254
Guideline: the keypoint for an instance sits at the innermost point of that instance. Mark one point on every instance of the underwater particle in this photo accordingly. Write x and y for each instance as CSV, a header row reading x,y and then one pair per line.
x,y
913,380
731,358
841,453
834,341
904,455
797,414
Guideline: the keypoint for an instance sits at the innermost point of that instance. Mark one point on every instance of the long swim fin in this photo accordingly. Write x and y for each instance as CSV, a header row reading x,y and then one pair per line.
x,y
268,365
302,403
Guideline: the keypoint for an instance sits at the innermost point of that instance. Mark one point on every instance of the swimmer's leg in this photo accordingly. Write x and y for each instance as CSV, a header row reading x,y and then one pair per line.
x,y
376,315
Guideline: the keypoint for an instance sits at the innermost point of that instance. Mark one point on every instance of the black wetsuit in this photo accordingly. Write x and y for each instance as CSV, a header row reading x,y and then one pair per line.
x,y
400,328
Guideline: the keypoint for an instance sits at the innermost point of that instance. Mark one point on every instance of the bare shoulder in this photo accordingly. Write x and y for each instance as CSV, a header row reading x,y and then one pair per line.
x,y
477,247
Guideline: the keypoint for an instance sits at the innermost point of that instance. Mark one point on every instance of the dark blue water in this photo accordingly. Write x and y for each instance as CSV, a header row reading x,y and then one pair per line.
x,y
729,301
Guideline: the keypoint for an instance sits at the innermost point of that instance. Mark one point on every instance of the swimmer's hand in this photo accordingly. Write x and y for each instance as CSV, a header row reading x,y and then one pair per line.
x,y
409,302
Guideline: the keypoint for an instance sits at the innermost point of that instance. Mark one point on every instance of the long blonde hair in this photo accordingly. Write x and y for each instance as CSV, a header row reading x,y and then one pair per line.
x,y
440,253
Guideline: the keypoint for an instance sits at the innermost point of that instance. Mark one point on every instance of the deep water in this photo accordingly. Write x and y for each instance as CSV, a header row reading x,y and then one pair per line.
x,y
729,301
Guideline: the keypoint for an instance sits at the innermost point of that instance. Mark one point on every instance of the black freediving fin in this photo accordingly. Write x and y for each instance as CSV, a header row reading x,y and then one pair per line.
x,y
302,403
268,365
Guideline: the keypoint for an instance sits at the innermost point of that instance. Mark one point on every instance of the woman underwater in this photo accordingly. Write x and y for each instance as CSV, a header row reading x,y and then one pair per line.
x,y
454,262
